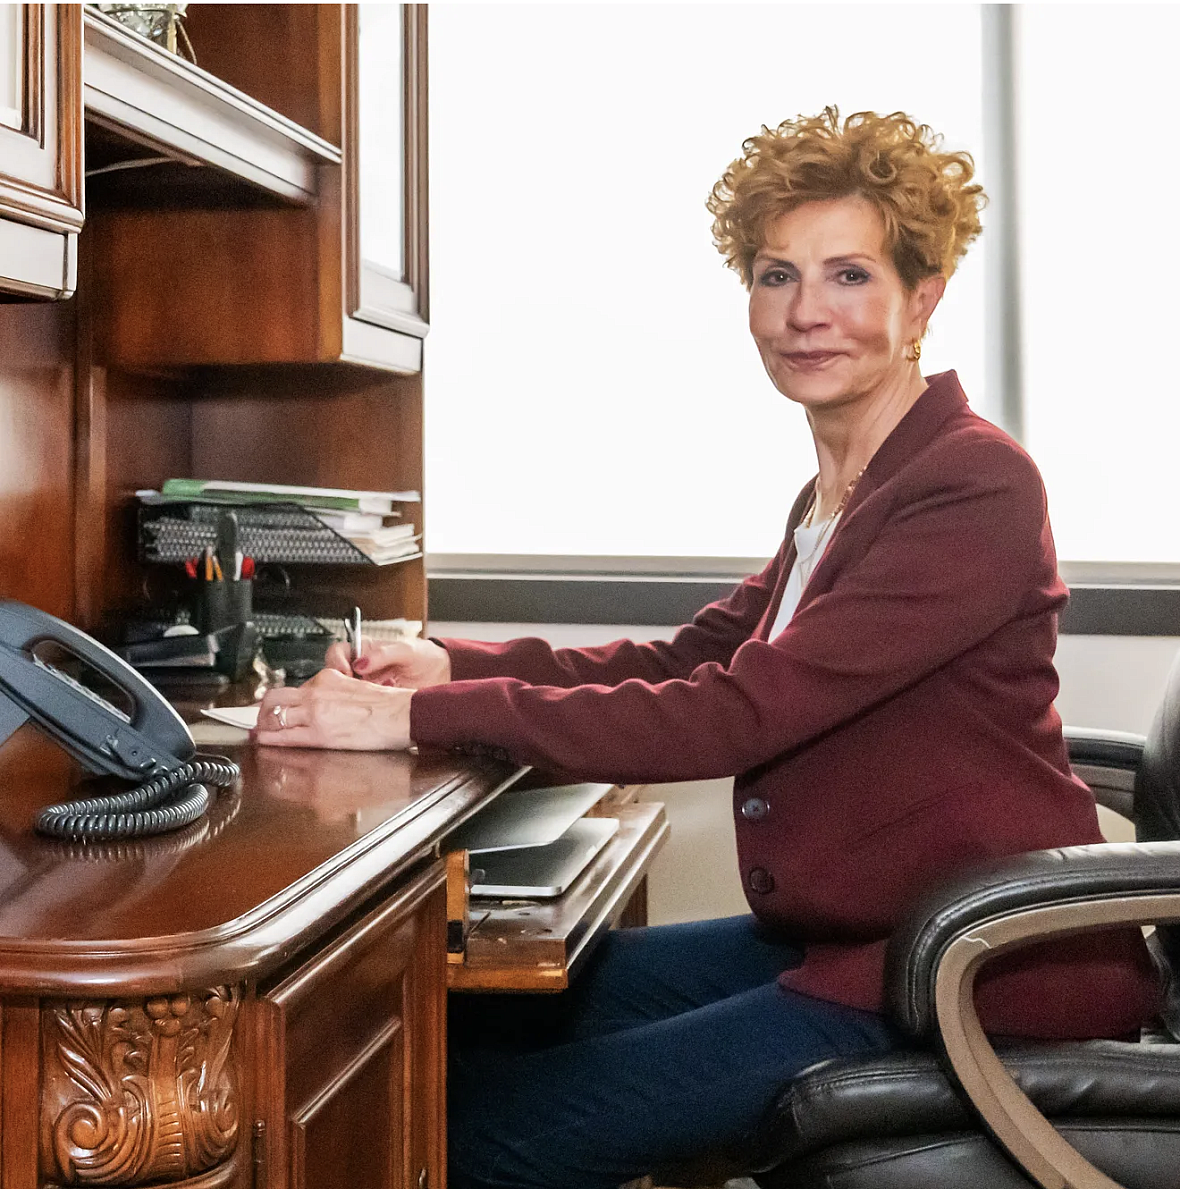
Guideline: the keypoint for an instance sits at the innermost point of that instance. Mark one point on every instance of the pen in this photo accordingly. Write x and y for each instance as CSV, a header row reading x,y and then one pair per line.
x,y
354,635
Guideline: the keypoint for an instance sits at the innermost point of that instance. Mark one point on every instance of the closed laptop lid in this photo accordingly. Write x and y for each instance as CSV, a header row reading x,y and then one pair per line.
x,y
542,871
527,817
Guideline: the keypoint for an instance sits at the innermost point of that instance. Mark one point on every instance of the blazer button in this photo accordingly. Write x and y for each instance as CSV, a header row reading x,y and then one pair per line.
x,y
761,881
755,809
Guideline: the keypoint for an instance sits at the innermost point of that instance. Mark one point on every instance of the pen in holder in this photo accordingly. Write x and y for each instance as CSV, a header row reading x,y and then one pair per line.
x,y
222,611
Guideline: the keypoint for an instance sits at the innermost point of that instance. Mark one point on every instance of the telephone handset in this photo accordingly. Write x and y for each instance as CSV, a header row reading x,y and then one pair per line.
x,y
150,745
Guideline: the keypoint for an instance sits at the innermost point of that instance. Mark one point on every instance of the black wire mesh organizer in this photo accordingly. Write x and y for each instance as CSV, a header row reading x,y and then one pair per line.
x,y
175,531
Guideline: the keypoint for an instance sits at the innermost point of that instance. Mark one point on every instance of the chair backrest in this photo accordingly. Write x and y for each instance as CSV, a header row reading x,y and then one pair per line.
x,y
1157,819
1157,781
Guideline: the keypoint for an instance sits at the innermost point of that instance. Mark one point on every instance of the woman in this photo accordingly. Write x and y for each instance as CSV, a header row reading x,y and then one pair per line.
x,y
883,691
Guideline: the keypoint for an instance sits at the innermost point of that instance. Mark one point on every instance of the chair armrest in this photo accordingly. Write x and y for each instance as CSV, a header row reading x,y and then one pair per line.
x,y
936,954
1104,749
1072,887
1107,761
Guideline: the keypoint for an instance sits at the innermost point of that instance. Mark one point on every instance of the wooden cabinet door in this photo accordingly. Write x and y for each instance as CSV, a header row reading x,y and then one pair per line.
x,y
385,165
352,1051
40,147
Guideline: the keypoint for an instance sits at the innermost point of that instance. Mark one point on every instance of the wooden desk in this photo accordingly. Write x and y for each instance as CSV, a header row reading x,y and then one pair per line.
x,y
247,1003
258,1001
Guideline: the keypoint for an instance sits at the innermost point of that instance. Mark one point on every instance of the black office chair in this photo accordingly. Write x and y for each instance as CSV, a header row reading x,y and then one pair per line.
x,y
952,1113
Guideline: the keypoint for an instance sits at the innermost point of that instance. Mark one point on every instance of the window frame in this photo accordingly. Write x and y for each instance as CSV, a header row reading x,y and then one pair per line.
x,y
1108,598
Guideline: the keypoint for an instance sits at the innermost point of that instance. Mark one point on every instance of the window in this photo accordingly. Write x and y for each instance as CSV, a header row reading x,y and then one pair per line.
x,y
1098,179
592,388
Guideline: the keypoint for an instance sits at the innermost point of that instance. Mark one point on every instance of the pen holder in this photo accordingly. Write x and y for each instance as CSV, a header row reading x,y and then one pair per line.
x,y
220,605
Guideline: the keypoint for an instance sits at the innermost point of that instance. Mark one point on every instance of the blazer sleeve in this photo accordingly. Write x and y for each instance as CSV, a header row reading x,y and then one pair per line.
x,y
712,637
965,549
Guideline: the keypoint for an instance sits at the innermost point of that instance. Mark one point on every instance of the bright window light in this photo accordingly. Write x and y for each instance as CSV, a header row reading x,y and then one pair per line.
x,y
1098,179
591,385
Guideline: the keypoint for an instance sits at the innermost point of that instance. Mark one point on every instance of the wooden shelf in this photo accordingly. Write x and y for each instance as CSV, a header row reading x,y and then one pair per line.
x,y
159,101
539,945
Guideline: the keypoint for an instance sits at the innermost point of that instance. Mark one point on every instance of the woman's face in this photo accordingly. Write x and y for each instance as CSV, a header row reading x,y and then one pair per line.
x,y
828,311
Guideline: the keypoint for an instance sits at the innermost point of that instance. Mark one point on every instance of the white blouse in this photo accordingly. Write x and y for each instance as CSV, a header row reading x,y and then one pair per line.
x,y
810,546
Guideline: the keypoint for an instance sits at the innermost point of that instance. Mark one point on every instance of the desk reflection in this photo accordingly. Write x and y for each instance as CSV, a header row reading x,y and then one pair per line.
x,y
292,813
362,787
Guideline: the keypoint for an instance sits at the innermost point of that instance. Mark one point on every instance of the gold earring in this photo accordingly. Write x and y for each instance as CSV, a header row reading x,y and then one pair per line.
x,y
915,351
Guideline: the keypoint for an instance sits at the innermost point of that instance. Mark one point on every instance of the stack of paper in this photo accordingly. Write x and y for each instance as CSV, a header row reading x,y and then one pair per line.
x,y
385,543
370,520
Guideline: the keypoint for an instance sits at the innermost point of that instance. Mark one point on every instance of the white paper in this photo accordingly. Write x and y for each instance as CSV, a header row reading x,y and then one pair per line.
x,y
278,489
245,717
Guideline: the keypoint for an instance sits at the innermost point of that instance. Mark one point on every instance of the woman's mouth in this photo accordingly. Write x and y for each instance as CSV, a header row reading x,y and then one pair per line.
x,y
810,360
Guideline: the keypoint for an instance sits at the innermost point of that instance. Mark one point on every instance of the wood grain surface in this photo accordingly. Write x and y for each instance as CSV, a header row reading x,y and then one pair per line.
x,y
304,838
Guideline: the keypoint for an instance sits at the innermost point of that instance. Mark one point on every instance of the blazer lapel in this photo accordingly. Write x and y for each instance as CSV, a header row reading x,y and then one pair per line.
x,y
942,399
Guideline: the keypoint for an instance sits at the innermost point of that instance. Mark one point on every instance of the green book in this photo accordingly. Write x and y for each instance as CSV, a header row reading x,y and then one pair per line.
x,y
338,498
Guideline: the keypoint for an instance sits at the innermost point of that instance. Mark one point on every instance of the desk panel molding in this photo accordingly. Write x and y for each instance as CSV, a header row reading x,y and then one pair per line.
x,y
352,1051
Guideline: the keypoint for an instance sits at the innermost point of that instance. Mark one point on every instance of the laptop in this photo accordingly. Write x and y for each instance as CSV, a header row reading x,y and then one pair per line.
x,y
541,872
526,817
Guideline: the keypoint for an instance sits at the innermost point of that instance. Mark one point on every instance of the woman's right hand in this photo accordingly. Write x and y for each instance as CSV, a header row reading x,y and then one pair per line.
x,y
410,664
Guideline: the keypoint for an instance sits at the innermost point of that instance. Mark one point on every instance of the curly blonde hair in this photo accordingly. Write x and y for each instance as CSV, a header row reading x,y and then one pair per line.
x,y
927,200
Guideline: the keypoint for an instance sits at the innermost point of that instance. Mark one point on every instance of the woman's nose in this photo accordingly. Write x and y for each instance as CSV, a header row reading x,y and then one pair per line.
x,y
807,308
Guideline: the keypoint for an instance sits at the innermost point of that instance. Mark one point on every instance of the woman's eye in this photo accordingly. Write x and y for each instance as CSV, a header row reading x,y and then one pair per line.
x,y
853,276
774,276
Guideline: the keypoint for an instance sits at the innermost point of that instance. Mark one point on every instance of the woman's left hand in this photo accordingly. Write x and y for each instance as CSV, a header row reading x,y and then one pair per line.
x,y
335,711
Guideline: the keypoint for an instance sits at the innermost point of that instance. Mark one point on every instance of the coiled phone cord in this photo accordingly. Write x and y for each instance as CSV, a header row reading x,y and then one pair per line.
x,y
166,802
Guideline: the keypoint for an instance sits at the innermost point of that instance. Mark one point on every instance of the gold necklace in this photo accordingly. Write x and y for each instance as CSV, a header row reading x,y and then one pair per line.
x,y
805,564
843,499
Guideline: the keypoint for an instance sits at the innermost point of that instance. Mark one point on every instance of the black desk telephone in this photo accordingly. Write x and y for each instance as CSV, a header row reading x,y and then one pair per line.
x,y
151,745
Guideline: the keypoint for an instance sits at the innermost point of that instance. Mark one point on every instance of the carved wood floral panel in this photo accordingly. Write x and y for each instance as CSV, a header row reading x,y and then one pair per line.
x,y
138,1091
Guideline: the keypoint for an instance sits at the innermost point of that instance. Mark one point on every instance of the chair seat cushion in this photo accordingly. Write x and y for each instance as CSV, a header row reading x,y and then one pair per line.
x,y
908,1094
1135,1153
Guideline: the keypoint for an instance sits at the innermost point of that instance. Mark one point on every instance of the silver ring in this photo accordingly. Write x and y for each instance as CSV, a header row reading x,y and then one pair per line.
x,y
281,715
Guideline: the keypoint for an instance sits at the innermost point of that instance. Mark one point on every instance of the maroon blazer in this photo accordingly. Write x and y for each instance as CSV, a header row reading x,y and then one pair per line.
x,y
898,730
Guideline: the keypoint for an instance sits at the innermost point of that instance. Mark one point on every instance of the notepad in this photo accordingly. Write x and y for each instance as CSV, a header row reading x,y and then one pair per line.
x,y
244,717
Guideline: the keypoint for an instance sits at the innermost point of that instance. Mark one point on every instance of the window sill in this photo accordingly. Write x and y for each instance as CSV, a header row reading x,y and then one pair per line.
x,y
486,588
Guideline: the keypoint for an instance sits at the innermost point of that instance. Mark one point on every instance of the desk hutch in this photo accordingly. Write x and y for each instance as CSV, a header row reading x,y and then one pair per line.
x,y
219,270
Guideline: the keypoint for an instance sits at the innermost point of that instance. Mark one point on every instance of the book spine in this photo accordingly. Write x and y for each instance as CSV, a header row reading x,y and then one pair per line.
x,y
198,489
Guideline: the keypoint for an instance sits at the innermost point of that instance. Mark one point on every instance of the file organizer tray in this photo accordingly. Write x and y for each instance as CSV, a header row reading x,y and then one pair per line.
x,y
176,530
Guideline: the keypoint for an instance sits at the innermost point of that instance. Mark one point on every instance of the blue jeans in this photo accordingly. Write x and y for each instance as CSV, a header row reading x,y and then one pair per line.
x,y
672,1043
